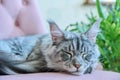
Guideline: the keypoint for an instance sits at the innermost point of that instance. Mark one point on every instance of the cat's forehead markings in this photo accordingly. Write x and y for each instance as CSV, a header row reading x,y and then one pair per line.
x,y
72,51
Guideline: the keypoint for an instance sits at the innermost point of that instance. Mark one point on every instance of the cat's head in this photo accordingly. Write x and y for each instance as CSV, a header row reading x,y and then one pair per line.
x,y
75,53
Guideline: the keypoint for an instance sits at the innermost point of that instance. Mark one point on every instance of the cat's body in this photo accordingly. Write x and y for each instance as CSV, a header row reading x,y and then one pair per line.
x,y
74,53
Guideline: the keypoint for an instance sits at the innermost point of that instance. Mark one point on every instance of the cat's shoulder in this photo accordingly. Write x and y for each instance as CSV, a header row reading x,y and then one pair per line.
x,y
34,36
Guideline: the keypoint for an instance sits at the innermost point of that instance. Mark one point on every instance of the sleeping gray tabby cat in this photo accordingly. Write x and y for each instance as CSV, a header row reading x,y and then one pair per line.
x,y
74,53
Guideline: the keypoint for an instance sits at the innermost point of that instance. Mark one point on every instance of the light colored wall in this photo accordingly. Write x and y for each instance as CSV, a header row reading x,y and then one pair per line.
x,y
65,12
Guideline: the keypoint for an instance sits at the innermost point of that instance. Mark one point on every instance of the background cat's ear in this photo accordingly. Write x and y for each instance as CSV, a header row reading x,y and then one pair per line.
x,y
56,34
93,31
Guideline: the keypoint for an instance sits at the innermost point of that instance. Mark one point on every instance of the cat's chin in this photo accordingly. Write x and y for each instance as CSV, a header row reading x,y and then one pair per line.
x,y
76,73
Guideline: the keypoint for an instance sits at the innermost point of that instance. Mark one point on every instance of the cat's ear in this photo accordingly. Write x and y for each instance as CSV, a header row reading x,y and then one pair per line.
x,y
94,30
56,34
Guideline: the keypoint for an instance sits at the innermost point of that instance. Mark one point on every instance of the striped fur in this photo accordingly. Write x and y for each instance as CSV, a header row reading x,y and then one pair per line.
x,y
74,53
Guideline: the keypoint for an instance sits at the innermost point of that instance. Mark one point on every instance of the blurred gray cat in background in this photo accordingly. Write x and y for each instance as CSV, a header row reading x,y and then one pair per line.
x,y
61,51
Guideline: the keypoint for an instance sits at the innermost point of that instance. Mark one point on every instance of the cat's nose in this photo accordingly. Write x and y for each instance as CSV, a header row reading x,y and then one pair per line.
x,y
77,66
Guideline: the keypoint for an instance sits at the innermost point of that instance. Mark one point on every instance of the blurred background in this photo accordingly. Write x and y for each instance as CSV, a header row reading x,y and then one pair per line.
x,y
65,12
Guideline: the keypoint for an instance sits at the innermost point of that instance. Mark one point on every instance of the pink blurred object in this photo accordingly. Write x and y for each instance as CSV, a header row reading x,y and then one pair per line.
x,y
20,17
97,75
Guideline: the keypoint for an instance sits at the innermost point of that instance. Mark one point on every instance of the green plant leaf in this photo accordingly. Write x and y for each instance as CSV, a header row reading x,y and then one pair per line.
x,y
100,12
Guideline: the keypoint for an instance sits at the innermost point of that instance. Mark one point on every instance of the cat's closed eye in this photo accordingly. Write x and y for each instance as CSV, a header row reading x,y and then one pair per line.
x,y
87,57
66,55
